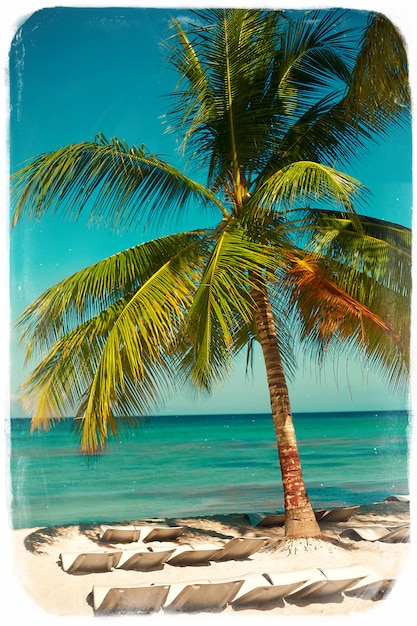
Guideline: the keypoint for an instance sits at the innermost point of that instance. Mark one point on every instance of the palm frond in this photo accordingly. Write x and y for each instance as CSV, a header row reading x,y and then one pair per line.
x,y
246,77
302,183
197,106
222,311
379,93
94,289
112,365
324,133
311,58
77,378
222,63
120,186
332,320
379,249
337,127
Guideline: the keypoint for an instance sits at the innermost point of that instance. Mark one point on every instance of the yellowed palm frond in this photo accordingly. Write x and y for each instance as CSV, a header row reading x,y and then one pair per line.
x,y
118,362
222,305
331,320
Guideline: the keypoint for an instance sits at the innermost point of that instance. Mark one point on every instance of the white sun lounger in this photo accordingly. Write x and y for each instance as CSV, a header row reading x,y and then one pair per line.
x,y
120,534
315,583
201,596
399,535
321,582
364,572
239,548
160,533
397,498
334,581
86,562
341,514
130,599
144,560
199,554
370,586
339,579
378,533
367,533
274,519
259,593
132,534
311,578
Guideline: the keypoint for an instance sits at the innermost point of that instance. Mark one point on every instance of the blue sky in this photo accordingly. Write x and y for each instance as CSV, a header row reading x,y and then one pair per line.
x,y
76,72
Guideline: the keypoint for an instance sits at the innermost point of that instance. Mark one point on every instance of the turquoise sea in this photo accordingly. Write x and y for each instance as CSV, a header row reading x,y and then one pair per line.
x,y
203,465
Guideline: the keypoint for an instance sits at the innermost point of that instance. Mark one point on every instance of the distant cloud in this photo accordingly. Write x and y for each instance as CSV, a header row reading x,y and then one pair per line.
x,y
187,20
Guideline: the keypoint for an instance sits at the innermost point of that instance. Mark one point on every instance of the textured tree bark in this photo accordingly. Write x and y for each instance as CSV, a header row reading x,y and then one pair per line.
x,y
300,520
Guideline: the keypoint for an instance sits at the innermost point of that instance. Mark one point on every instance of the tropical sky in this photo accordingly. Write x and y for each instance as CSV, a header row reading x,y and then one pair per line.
x,y
75,72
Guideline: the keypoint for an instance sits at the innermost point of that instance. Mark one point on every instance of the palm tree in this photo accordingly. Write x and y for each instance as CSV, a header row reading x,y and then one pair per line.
x,y
266,103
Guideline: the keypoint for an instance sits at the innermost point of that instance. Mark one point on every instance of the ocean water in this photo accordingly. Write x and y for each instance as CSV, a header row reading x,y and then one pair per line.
x,y
203,465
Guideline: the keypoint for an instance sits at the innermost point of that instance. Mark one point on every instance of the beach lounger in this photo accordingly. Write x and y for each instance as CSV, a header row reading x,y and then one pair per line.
x,y
144,560
371,590
200,554
340,579
239,548
371,585
131,534
87,562
397,498
119,534
399,535
201,596
274,519
334,581
130,599
160,533
367,533
378,533
259,593
277,519
341,514
296,581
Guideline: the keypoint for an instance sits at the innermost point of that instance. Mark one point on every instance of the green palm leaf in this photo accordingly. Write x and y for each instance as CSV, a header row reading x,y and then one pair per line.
x,y
93,289
301,183
387,245
114,362
378,94
311,59
215,61
73,379
222,306
122,186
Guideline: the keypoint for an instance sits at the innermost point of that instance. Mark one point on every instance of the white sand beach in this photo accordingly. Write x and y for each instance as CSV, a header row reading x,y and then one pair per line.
x,y
50,591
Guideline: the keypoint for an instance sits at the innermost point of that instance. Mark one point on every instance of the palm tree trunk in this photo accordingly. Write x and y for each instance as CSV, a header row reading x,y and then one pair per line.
x,y
300,520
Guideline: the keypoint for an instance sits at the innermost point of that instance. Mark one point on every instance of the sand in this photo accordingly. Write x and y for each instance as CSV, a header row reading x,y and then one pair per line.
x,y
52,595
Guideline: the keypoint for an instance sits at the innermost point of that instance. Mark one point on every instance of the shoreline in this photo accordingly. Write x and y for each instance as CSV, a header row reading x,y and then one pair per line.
x,y
43,584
